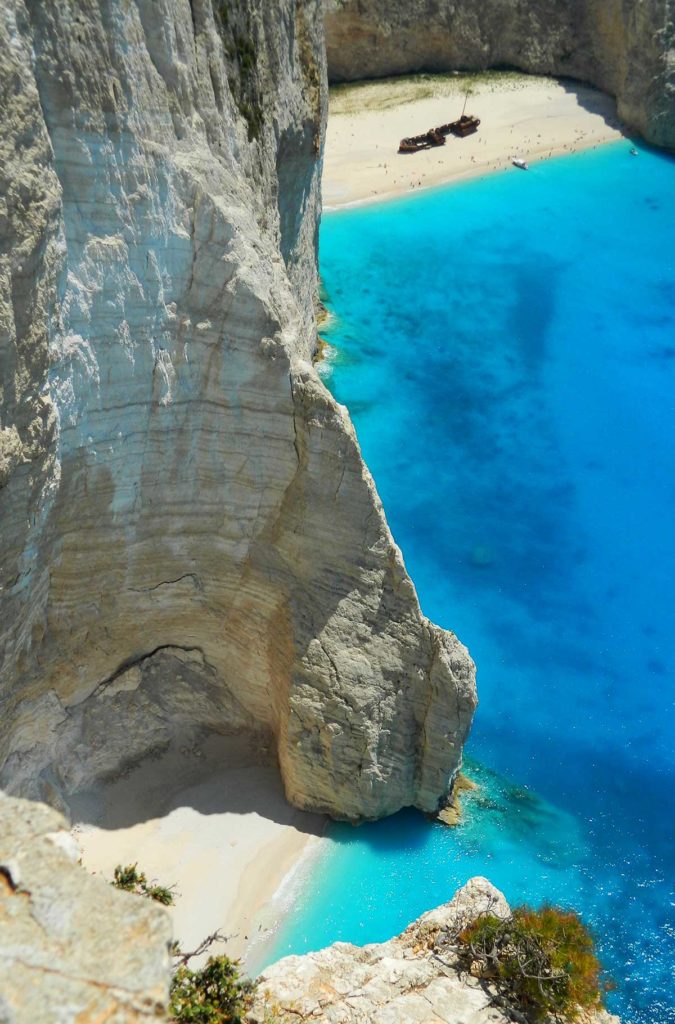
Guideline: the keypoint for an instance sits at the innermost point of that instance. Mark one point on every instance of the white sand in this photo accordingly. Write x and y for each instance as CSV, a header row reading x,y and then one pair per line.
x,y
212,822
521,116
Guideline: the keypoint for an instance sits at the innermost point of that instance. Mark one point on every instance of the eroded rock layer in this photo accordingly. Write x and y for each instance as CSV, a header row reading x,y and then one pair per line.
x,y
625,47
190,539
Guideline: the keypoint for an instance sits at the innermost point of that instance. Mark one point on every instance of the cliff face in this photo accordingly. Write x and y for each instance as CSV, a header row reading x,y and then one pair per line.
x,y
625,47
190,539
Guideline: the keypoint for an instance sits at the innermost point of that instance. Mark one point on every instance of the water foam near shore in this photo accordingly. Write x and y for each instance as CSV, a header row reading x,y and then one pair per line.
x,y
505,348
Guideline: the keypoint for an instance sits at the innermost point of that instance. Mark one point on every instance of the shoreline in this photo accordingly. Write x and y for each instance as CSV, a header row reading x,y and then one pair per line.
x,y
529,117
271,911
468,175
221,834
212,821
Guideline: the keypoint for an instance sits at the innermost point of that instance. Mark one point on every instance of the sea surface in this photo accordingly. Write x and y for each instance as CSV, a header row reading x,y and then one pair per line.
x,y
506,348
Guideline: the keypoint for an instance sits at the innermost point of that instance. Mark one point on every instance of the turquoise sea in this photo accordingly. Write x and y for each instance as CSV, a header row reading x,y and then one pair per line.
x,y
506,348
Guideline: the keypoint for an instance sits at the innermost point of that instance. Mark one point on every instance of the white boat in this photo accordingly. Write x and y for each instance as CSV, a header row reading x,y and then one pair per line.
x,y
520,163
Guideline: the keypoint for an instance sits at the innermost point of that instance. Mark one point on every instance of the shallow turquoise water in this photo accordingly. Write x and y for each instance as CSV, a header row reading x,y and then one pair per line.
x,y
506,348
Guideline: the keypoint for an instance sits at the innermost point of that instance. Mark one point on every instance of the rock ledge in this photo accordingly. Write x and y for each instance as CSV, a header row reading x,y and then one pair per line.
x,y
403,980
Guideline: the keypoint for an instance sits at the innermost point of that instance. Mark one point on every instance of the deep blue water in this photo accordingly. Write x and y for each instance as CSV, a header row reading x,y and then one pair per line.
x,y
506,348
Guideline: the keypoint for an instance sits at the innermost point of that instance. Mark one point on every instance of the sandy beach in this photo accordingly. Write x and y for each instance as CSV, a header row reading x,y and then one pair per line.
x,y
521,116
214,824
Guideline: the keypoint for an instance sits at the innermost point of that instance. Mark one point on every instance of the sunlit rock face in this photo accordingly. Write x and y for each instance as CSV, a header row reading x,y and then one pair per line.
x,y
190,539
625,47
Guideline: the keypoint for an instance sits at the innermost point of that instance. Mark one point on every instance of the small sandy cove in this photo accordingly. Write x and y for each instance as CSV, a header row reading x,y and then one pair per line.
x,y
213,823
521,116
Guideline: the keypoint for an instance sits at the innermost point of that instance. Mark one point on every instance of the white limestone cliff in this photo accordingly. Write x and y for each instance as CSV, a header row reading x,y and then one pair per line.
x,y
190,539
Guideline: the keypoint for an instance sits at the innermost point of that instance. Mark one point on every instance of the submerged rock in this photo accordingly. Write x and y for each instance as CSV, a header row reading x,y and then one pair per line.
x,y
408,979
451,814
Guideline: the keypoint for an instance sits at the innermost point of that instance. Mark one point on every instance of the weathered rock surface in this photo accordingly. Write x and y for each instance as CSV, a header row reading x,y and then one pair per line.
x,y
190,540
625,47
403,981
72,948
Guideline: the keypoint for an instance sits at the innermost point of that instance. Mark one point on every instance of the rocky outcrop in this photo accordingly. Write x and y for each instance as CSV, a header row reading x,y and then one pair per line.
x,y
411,978
625,47
190,539
72,948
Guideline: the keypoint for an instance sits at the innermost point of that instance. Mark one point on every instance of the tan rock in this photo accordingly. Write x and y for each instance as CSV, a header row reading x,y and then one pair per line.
x,y
72,948
405,980
451,814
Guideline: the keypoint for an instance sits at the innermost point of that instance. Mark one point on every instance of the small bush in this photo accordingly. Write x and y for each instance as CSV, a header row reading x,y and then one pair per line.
x,y
542,962
130,879
216,994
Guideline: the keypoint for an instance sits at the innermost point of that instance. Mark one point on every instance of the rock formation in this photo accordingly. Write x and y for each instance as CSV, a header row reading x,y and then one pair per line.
x,y
406,979
625,47
72,948
190,540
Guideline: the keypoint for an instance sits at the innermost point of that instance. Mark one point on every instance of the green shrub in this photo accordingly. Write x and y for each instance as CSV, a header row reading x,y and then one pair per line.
x,y
542,962
216,994
243,79
130,879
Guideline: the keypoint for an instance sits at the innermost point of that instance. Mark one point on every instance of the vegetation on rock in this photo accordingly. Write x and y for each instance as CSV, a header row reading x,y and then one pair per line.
x,y
310,71
130,879
542,962
214,994
243,79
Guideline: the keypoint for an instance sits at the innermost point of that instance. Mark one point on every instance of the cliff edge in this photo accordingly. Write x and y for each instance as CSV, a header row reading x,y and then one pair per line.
x,y
76,949
412,978
72,948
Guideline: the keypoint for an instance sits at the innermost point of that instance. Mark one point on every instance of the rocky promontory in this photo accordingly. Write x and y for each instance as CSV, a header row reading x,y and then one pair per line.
x,y
410,978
